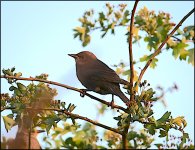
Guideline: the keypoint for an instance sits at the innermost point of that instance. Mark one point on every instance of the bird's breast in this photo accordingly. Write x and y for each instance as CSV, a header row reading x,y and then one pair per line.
x,y
84,75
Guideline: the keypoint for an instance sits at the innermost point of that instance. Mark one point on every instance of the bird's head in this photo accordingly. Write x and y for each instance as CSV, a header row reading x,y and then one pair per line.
x,y
83,57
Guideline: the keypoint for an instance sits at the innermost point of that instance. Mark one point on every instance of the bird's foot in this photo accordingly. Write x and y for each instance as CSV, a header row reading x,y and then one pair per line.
x,y
84,92
112,104
128,104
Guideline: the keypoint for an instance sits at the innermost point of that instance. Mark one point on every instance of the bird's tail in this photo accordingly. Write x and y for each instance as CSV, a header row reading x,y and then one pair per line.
x,y
123,97
122,81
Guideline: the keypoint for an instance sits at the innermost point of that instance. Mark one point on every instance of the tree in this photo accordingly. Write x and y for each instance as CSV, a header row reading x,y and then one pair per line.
x,y
37,100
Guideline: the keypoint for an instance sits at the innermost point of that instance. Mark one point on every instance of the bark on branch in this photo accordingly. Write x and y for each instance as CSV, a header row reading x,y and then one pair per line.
x,y
75,116
67,87
124,136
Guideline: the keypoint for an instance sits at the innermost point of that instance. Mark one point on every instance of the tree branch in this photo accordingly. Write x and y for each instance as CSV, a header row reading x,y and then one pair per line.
x,y
117,25
67,87
75,116
124,136
130,51
160,47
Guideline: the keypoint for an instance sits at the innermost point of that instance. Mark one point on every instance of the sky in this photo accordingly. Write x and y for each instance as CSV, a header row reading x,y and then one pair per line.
x,y
37,36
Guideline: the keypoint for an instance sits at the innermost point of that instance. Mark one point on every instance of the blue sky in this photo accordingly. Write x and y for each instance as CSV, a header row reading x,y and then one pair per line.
x,y
37,36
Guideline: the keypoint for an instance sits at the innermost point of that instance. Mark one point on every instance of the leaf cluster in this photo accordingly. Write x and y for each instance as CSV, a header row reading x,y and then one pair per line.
x,y
150,26
35,101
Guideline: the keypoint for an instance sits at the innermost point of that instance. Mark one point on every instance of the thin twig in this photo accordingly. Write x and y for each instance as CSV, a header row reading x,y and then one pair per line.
x,y
160,47
67,87
117,25
91,121
176,38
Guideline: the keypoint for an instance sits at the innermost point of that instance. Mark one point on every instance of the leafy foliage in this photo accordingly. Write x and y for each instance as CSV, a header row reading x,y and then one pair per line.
x,y
82,138
31,100
37,100
154,26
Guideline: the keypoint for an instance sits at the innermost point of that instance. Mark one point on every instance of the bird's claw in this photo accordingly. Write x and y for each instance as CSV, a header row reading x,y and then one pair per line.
x,y
128,104
112,104
83,92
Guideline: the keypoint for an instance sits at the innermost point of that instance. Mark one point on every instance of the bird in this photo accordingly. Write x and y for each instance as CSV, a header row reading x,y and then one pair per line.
x,y
96,76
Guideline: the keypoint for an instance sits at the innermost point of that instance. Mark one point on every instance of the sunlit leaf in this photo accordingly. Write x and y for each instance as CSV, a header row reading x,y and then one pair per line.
x,y
21,86
165,117
9,122
163,133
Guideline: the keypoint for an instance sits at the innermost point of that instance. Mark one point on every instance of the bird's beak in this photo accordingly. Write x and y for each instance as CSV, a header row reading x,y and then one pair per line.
x,y
73,55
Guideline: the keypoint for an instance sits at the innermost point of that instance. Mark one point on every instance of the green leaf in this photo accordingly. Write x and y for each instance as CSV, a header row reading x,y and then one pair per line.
x,y
127,72
63,104
117,15
178,48
117,118
166,127
185,135
48,127
12,88
17,92
10,81
9,122
188,28
4,72
21,86
164,118
13,69
50,121
102,16
72,107
152,119
151,128
183,54
163,133
144,58
9,72
131,135
153,63
68,107
86,40
125,19
73,120
183,138
76,34
139,20
179,31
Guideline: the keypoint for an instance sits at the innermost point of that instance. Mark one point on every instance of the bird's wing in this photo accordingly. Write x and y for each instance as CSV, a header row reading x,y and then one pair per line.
x,y
104,73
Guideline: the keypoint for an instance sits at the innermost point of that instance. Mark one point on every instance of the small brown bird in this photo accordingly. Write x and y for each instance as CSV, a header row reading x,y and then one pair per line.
x,y
97,76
